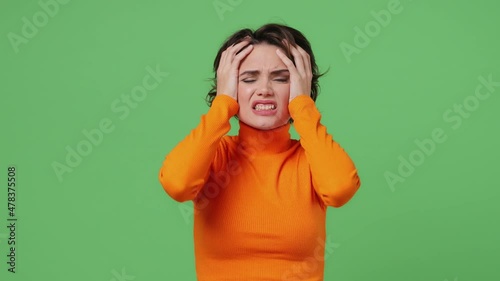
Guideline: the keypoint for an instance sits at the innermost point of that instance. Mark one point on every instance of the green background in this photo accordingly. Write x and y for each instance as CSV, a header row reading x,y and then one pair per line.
x,y
110,214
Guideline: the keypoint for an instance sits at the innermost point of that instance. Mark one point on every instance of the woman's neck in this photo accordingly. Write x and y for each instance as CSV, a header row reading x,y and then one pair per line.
x,y
264,141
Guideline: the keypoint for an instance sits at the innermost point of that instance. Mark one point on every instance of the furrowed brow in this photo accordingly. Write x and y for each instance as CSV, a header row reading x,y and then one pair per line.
x,y
250,72
280,71
274,72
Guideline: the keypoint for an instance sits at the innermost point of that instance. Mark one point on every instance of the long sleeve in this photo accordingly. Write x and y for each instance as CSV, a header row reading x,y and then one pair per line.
x,y
186,168
335,178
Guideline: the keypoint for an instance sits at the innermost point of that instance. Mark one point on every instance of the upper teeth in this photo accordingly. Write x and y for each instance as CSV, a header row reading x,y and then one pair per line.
x,y
264,106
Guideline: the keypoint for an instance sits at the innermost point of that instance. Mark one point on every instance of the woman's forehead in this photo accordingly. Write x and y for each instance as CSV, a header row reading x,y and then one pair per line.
x,y
263,57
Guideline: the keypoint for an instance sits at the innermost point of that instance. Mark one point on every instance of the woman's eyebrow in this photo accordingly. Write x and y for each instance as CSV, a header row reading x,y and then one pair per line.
x,y
274,72
280,71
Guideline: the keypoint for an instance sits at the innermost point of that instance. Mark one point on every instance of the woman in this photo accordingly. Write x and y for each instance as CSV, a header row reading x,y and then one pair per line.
x,y
260,197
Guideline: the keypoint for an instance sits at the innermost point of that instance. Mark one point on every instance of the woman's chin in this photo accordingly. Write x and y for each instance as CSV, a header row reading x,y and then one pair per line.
x,y
265,126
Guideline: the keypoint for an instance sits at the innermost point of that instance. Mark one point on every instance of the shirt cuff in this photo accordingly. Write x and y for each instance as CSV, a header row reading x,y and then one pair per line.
x,y
302,105
228,102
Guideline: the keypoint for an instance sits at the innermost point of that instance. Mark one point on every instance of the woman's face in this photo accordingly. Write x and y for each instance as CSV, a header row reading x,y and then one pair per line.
x,y
263,89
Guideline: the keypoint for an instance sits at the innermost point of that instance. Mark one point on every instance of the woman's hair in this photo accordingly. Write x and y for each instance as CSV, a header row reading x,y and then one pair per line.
x,y
272,34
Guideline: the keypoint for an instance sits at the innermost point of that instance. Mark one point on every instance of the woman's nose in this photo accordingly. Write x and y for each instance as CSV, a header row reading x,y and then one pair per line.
x,y
265,93
265,90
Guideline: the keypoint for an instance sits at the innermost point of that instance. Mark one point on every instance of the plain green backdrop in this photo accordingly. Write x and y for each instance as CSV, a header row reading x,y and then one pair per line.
x,y
108,218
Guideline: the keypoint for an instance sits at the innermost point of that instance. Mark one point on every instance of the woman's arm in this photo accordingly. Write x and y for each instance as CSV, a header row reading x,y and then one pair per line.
x,y
334,175
186,168
335,178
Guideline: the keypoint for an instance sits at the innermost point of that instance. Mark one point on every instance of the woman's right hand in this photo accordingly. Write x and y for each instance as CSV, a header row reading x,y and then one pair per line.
x,y
227,73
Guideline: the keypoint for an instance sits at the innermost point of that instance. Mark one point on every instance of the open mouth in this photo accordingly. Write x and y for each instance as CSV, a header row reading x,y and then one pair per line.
x,y
264,107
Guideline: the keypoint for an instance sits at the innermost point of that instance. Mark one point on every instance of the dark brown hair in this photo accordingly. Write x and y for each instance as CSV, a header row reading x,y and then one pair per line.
x,y
273,34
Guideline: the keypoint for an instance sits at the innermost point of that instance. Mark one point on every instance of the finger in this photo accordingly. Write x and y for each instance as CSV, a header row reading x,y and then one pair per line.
x,y
246,50
227,55
307,60
242,41
223,59
289,64
233,50
299,61
235,65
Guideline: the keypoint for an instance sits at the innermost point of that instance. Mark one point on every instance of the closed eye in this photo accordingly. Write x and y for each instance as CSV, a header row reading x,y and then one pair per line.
x,y
281,80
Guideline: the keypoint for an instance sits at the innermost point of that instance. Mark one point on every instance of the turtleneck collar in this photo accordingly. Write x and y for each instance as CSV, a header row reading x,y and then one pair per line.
x,y
264,141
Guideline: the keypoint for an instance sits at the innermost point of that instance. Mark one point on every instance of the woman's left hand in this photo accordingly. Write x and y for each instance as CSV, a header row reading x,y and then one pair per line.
x,y
300,73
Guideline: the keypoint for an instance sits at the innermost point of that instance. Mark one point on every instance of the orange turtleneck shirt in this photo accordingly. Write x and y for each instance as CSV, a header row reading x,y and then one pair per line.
x,y
260,197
